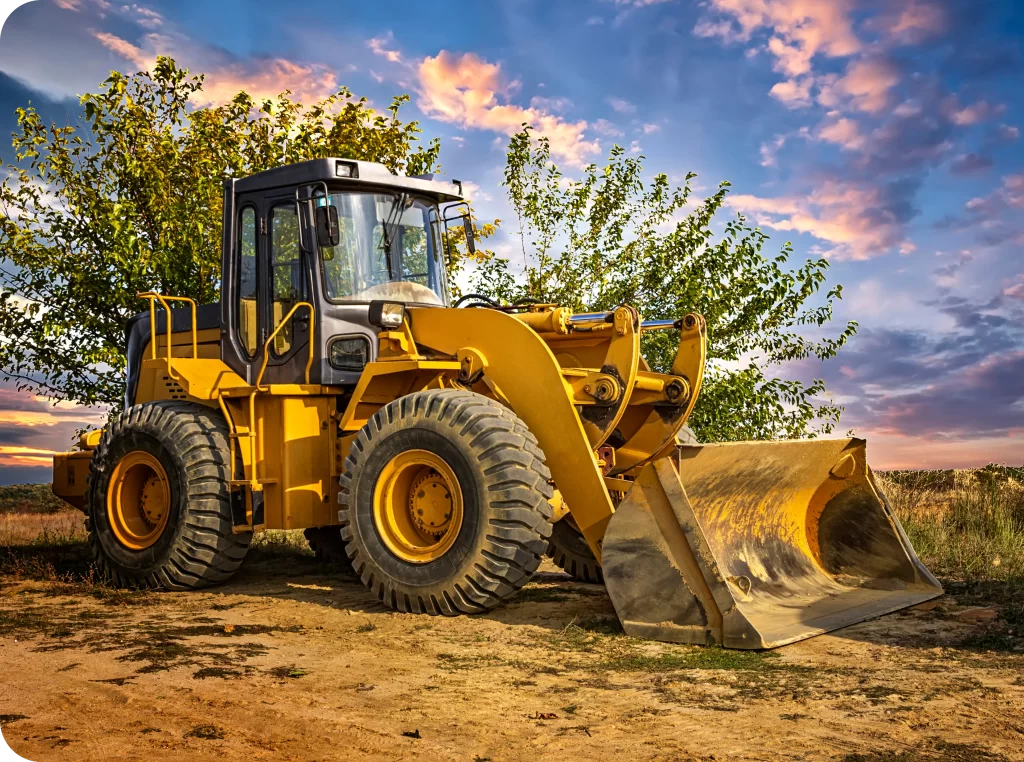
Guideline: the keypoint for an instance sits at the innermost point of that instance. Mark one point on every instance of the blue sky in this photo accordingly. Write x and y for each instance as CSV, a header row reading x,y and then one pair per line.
x,y
883,134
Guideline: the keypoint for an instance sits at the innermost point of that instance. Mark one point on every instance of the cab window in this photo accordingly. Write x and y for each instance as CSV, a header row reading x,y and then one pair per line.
x,y
287,279
247,279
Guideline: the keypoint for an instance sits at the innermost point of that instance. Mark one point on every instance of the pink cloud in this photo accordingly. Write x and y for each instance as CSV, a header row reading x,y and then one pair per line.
x,y
793,92
381,46
843,132
1016,289
865,87
855,219
262,78
800,30
468,91
914,23
125,49
975,113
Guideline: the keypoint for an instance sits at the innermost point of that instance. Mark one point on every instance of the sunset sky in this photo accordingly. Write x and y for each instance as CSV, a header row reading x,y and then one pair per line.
x,y
882,134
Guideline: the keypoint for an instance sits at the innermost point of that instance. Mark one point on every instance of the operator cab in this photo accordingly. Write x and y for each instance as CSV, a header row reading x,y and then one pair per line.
x,y
337,234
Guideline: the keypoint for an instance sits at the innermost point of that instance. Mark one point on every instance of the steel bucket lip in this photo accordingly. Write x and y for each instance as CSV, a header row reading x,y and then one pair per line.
x,y
721,612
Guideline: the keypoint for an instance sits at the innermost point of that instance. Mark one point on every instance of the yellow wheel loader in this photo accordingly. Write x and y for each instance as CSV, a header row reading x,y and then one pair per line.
x,y
442,449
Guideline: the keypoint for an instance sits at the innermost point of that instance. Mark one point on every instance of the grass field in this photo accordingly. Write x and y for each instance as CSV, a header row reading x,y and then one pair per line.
x,y
968,527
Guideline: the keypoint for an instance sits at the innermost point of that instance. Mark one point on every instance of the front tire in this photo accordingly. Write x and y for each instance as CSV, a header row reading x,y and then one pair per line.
x,y
445,503
159,499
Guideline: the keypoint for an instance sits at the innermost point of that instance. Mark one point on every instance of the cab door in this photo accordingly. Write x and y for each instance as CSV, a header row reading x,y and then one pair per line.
x,y
287,283
270,275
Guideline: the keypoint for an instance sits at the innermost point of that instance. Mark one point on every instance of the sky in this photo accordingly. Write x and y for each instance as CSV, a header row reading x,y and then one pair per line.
x,y
884,135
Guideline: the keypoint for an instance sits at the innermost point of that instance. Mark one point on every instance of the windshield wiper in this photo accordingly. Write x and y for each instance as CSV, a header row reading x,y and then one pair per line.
x,y
389,226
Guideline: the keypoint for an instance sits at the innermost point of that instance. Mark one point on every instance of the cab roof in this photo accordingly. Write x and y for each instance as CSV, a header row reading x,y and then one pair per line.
x,y
362,173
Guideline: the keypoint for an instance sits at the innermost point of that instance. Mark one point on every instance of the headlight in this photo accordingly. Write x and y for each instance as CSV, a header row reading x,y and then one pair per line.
x,y
388,315
345,169
350,353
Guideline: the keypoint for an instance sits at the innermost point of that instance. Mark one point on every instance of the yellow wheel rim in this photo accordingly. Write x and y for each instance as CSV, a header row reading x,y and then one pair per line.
x,y
417,506
138,500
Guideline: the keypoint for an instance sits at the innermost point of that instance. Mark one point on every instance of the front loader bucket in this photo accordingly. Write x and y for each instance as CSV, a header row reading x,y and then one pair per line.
x,y
758,544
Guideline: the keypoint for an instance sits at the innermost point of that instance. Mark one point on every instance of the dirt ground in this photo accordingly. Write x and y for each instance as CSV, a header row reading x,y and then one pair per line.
x,y
294,661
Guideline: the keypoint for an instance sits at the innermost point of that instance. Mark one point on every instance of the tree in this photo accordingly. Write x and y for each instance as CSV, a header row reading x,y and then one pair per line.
x,y
608,239
129,200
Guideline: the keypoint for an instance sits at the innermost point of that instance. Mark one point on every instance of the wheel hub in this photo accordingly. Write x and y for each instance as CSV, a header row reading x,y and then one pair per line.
x,y
417,506
430,504
138,500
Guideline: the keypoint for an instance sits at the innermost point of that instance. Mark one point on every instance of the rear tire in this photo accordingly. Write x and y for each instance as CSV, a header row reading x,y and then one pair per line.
x,y
159,513
570,553
476,459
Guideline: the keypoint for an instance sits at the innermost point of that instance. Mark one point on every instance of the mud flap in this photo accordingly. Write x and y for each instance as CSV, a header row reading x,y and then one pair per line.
x,y
758,544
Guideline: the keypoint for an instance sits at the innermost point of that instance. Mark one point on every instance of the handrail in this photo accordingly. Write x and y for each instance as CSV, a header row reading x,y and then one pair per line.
x,y
152,296
282,324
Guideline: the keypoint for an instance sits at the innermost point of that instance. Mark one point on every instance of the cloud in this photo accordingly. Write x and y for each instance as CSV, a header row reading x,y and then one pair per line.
x,y
866,86
469,91
1016,289
861,221
798,31
144,17
553,105
770,150
993,211
1007,133
262,78
970,163
795,93
608,129
955,383
914,23
975,113
947,276
650,129
621,106
473,192
380,46
125,49
843,132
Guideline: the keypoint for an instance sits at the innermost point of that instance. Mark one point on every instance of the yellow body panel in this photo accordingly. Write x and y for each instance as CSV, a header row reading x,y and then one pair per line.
x,y
70,472
294,460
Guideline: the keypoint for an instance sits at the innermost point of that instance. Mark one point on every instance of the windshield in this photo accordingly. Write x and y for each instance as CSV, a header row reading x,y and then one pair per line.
x,y
388,250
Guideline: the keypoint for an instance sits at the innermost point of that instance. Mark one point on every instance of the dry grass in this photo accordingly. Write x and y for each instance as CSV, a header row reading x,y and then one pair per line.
x,y
965,524
66,527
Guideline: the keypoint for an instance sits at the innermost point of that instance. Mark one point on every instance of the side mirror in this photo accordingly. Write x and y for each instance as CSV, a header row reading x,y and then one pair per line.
x,y
328,232
467,225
